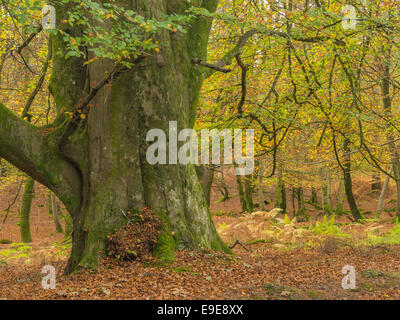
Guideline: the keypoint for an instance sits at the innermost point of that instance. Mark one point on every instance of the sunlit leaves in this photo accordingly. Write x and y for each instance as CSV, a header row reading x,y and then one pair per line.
x,y
111,32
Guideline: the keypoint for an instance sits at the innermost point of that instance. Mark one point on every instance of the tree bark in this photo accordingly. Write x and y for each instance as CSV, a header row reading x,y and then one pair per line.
x,y
223,188
387,104
382,195
294,201
206,176
348,184
376,184
326,191
1,168
301,212
261,199
242,196
340,197
280,194
314,195
248,192
25,211
54,210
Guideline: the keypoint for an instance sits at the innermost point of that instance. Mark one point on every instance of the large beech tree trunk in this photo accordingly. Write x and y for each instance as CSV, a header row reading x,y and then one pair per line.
x,y
98,166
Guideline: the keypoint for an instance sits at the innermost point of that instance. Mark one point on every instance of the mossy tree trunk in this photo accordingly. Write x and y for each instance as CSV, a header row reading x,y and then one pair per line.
x,y
396,174
245,193
340,197
280,193
301,212
248,193
382,195
25,211
1,168
293,196
326,191
260,189
376,183
348,183
97,167
387,104
223,188
242,196
314,195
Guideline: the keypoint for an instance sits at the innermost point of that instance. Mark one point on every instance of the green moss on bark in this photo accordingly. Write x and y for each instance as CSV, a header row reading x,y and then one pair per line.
x,y
166,241
25,211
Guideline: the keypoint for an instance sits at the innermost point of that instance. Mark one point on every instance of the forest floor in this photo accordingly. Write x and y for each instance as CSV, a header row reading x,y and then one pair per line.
x,y
278,258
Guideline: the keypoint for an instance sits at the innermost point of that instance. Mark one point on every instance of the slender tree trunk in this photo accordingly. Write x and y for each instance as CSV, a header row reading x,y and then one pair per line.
x,y
280,194
301,212
223,188
348,184
327,191
382,195
314,195
340,197
387,105
54,210
261,199
3,58
242,196
1,167
25,211
329,188
376,184
248,192
294,201
206,176
396,173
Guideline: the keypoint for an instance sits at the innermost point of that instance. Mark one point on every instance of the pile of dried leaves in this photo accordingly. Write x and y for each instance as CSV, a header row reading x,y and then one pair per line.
x,y
137,239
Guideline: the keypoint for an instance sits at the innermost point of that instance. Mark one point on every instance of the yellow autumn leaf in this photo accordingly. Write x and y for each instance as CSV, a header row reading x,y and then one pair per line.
x,y
91,60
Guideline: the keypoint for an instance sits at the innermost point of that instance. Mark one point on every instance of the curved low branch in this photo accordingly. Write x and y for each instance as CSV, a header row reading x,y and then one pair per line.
x,y
34,151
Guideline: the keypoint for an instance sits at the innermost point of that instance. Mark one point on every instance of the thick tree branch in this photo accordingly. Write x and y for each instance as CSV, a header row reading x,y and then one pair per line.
x,y
210,66
34,151
243,84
